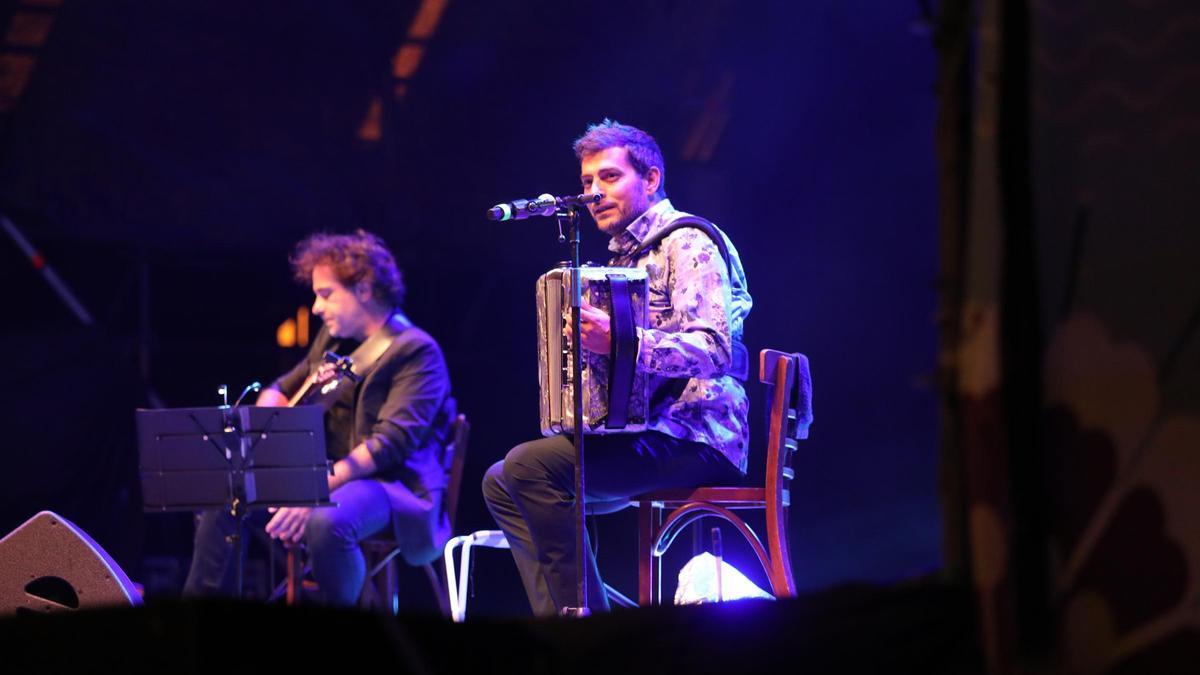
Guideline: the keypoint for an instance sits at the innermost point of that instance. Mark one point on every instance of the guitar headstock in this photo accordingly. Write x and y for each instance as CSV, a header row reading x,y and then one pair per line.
x,y
332,371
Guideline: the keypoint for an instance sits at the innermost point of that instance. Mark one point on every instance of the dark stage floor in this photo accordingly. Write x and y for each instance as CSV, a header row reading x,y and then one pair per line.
x,y
916,628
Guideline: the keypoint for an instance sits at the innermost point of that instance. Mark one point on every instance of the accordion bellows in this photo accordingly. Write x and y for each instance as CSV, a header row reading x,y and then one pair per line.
x,y
630,394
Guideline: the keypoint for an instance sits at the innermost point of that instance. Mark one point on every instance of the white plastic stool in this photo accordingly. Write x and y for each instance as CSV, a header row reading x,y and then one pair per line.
x,y
456,584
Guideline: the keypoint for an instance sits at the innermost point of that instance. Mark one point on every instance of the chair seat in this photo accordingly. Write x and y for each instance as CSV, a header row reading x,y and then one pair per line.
x,y
729,497
383,542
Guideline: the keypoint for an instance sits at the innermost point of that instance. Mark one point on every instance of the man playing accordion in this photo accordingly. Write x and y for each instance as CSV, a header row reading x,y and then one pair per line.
x,y
697,430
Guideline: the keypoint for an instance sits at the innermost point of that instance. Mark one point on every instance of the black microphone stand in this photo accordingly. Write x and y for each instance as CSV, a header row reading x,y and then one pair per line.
x,y
569,215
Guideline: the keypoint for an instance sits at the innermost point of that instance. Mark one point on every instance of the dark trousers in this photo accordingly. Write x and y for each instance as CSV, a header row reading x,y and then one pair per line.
x,y
531,495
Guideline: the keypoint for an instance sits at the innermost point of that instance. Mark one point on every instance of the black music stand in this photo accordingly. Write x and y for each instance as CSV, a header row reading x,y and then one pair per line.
x,y
235,458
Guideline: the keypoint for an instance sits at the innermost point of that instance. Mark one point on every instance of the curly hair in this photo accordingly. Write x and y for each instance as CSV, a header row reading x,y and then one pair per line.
x,y
354,258
643,150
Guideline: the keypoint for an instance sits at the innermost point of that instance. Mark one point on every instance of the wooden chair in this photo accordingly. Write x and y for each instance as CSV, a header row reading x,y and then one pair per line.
x,y
789,387
381,588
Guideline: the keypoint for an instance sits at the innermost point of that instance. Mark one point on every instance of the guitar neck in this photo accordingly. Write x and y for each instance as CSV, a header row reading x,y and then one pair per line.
x,y
309,383
327,376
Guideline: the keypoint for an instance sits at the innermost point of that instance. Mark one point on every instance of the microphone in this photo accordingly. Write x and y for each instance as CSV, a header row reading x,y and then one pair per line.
x,y
545,205
253,386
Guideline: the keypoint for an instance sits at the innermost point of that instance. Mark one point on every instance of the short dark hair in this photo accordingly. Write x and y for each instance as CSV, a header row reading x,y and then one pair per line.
x,y
354,258
642,148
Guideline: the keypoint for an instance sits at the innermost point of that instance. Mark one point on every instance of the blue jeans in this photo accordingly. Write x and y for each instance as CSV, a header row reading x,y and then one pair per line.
x,y
332,538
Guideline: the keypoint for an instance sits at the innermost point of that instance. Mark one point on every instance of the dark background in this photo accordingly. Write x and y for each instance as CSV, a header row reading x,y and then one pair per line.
x,y
166,155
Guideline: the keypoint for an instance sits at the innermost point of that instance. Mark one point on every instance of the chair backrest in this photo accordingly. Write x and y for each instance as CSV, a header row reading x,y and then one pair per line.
x,y
789,393
455,460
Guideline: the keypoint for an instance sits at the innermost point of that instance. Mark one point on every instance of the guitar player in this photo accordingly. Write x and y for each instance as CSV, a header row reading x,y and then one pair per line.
x,y
386,425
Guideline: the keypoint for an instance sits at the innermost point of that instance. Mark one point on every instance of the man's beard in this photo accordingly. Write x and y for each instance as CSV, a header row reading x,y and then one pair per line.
x,y
624,223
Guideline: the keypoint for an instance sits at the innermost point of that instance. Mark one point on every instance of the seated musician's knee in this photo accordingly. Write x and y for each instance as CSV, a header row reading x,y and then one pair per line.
x,y
523,463
328,526
493,482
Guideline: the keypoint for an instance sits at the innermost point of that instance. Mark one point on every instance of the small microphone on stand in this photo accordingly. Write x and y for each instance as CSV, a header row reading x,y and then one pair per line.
x,y
544,205
253,386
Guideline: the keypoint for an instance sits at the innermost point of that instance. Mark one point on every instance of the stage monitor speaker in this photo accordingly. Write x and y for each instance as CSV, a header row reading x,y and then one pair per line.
x,y
48,565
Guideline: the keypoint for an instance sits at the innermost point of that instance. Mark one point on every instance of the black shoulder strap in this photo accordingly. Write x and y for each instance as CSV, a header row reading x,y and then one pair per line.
x,y
740,368
696,222
374,347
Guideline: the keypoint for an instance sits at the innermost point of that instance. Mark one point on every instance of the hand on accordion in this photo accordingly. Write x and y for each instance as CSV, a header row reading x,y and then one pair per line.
x,y
593,328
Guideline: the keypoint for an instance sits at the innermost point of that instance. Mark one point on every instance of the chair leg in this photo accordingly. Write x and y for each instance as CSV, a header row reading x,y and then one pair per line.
x,y
386,587
295,575
452,599
438,584
392,581
381,587
782,583
649,566
371,596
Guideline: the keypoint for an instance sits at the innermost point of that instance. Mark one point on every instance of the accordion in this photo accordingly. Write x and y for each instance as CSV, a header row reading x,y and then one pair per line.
x,y
615,395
